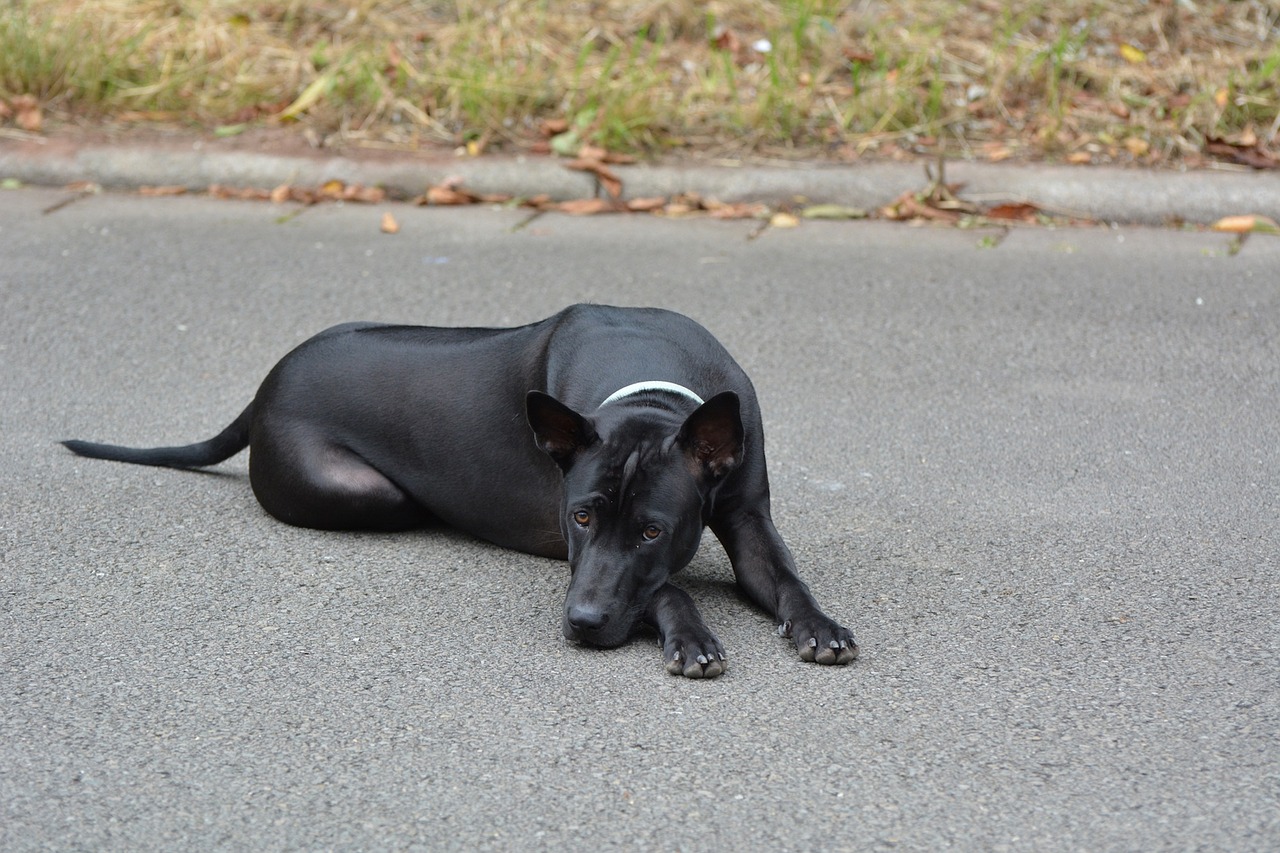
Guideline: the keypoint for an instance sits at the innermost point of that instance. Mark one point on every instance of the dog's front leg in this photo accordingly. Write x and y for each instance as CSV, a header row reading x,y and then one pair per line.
x,y
766,572
688,646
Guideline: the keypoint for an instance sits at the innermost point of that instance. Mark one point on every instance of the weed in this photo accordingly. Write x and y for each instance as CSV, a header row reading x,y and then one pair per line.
x,y
791,78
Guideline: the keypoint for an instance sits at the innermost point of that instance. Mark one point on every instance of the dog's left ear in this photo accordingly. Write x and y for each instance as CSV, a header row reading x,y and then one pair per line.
x,y
559,430
712,436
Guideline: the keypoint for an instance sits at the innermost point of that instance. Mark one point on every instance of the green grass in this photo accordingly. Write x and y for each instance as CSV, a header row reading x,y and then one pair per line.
x,y
830,80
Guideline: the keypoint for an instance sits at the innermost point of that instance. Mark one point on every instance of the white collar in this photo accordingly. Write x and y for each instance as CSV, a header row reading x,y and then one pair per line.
x,y
652,385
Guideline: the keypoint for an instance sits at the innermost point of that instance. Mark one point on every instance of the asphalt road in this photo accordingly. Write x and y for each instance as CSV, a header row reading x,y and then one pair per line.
x,y
1037,476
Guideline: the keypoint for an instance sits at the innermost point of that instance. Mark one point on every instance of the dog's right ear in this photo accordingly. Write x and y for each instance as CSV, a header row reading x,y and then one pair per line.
x,y
559,430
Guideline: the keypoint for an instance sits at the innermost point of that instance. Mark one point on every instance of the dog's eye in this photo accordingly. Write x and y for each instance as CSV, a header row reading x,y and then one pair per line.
x,y
582,518
651,532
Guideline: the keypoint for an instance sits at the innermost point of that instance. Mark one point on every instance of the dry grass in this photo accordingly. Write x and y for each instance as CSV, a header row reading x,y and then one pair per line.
x,y
1081,81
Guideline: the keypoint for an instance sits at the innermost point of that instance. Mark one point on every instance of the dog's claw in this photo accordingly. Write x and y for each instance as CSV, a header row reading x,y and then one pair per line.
x,y
698,661
703,668
674,666
820,640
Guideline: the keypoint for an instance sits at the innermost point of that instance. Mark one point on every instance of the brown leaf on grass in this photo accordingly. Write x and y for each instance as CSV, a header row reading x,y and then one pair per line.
x,y
1137,146
389,224
553,127
612,183
996,151
1019,211
156,192
132,116
595,152
727,40
588,206
6,111
27,113
1249,153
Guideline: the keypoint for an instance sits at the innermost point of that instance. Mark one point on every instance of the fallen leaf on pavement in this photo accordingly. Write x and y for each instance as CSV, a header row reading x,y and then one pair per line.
x,y
782,219
154,192
243,194
446,195
739,210
1021,211
363,194
647,204
910,206
588,206
389,224
833,211
679,208
612,183
1247,224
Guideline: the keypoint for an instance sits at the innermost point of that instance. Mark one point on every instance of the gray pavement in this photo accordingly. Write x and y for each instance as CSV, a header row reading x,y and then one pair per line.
x,y
1105,194
1039,478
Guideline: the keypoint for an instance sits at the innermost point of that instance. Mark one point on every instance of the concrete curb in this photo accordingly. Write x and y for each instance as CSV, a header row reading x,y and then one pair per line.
x,y
1102,193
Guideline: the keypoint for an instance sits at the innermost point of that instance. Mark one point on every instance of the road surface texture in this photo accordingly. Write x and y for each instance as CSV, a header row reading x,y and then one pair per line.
x,y
1038,476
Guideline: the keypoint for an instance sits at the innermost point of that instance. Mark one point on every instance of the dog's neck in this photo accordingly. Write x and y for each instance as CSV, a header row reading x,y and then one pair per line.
x,y
652,385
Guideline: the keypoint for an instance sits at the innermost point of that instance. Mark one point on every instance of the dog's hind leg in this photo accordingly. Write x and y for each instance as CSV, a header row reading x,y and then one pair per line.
x,y
312,482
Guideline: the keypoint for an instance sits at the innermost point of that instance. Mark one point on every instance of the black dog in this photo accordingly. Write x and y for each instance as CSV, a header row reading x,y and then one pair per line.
x,y
368,426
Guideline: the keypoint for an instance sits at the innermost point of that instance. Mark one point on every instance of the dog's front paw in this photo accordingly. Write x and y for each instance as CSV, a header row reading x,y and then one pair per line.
x,y
820,639
694,656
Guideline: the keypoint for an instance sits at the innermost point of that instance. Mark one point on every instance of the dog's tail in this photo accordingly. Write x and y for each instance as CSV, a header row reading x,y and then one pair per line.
x,y
222,446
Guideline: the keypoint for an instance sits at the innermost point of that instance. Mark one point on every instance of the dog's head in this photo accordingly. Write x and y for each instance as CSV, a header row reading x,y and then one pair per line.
x,y
638,486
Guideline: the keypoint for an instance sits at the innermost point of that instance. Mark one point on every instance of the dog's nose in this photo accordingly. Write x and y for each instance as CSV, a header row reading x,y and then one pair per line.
x,y
587,618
